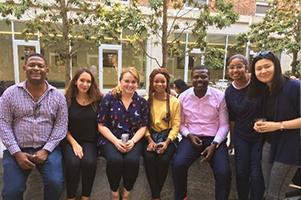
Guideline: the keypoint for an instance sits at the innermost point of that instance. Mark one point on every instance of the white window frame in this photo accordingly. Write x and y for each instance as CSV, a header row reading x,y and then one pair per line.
x,y
265,4
101,48
16,44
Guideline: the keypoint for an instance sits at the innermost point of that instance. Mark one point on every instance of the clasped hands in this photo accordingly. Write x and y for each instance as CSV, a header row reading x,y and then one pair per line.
x,y
124,147
29,161
208,152
266,126
158,147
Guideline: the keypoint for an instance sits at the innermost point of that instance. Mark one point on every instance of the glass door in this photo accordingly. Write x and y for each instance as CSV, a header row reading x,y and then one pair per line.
x,y
21,50
110,66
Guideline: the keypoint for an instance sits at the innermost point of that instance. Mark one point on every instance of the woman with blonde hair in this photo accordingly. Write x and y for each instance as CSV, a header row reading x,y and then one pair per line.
x,y
122,121
83,97
162,130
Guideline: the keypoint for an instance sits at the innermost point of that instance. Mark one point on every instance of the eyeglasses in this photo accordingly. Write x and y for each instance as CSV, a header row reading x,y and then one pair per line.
x,y
262,54
238,66
36,110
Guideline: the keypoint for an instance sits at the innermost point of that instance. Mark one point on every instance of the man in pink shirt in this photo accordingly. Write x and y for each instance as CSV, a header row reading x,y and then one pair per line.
x,y
204,127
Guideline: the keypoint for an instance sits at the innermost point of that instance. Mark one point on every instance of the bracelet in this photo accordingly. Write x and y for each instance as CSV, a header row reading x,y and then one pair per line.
x,y
281,126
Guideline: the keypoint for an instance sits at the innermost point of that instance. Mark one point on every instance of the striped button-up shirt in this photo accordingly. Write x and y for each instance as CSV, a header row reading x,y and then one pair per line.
x,y
25,122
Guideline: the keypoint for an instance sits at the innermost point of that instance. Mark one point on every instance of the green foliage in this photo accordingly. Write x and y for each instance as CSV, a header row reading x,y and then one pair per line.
x,y
214,57
223,17
279,30
67,23
203,17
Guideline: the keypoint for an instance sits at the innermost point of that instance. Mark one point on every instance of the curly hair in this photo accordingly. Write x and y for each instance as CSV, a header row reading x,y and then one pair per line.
x,y
93,93
117,93
151,91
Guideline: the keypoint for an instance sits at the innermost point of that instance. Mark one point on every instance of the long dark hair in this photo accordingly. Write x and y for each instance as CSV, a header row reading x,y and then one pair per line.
x,y
257,88
151,91
93,93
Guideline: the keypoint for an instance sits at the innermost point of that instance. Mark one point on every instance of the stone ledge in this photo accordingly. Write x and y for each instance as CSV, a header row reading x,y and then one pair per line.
x,y
200,184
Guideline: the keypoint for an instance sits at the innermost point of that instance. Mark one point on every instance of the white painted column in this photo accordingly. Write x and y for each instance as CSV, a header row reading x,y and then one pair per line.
x,y
225,56
186,63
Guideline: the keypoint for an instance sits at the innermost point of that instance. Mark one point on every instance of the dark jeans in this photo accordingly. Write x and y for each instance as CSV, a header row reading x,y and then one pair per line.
x,y
14,177
249,177
156,167
75,167
186,154
122,165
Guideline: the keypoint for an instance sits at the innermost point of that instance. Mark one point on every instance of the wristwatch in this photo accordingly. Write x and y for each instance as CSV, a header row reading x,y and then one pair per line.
x,y
215,143
281,126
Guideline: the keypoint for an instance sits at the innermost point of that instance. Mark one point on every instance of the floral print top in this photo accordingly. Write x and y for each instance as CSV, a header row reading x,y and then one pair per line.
x,y
113,114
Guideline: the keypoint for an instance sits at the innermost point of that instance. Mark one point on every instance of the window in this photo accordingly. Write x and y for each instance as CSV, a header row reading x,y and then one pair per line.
x,y
261,8
191,3
92,60
181,62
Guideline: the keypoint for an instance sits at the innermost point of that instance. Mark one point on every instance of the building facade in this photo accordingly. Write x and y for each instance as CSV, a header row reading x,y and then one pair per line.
x,y
108,59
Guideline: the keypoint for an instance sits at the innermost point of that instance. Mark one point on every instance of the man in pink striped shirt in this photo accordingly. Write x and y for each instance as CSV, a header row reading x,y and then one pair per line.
x,y
204,127
33,121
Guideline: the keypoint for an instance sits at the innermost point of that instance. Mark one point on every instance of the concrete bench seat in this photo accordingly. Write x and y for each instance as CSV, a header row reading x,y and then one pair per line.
x,y
200,184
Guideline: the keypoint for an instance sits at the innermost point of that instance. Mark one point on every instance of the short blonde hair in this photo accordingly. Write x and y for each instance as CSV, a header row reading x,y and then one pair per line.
x,y
133,71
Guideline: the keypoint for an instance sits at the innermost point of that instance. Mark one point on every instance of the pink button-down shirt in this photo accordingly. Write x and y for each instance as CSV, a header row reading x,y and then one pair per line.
x,y
206,116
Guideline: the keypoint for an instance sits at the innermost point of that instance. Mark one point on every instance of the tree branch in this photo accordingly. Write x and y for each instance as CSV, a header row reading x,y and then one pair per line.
x,y
147,54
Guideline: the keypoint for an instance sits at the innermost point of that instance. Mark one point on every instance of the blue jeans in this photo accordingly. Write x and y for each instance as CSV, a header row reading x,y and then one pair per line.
x,y
249,178
14,177
186,154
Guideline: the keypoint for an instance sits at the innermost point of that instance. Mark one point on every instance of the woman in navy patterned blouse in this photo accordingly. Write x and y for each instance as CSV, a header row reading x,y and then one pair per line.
x,y
123,111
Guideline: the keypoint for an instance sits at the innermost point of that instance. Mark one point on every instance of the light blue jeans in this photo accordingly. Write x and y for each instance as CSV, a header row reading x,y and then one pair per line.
x,y
14,177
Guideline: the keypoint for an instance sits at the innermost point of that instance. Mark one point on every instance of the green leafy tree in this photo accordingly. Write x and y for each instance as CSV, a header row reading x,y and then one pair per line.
x,y
214,58
279,30
170,20
65,24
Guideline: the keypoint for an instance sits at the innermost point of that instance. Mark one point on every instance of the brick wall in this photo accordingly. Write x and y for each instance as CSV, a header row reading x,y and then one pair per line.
x,y
243,7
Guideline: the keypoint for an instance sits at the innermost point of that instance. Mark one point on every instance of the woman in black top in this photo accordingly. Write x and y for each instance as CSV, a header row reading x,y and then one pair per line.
x,y
281,124
80,152
246,141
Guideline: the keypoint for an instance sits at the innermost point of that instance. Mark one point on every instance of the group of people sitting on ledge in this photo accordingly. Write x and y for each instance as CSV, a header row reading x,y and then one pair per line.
x,y
60,135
